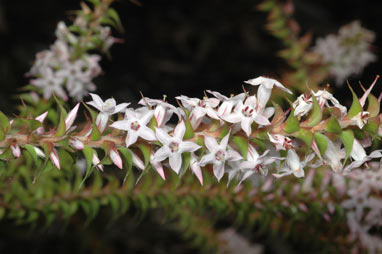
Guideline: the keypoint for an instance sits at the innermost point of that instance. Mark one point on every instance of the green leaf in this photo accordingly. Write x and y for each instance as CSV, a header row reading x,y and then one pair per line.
x,y
2,135
372,126
61,129
292,124
242,143
146,151
224,131
347,138
32,152
305,136
356,106
332,125
96,134
315,115
114,16
279,115
186,162
373,107
88,153
321,142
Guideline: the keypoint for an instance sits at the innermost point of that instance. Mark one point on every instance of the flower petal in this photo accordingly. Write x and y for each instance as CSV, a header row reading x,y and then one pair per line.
x,y
97,101
207,159
163,136
188,146
210,143
121,107
116,158
158,166
131,138
195,167
232,155
146,133
121,125
246,125
175,160
162,153
218,170
179,131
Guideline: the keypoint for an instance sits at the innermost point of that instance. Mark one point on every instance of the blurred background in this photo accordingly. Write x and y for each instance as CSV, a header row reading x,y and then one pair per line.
x,y
170,47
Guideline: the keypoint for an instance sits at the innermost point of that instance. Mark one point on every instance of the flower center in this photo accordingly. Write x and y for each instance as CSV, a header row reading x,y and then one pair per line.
x,y
135,125
174,147
219,155
108,107
248,111
260,168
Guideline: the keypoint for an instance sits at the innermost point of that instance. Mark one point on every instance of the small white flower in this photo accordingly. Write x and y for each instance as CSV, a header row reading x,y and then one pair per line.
x,y
281,142
256,163
333,155
246,114
135,125
162,112
199,108
227,103
324,97
293,165
302,105
360,119
173,147
218,155
265,89
106,109
50,84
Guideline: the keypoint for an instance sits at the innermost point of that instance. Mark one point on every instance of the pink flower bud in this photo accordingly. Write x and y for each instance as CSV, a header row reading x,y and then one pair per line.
x,y
158,166
115,157
54,158
76,144
96,162
71,117
15,150
42,117
196,168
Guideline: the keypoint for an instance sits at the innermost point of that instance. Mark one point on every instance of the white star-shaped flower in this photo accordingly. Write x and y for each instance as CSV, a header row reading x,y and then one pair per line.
x,y
135,125
174,146
107,108
218,155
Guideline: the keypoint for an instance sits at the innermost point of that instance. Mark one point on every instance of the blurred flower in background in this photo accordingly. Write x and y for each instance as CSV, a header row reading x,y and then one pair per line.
x,y
348,52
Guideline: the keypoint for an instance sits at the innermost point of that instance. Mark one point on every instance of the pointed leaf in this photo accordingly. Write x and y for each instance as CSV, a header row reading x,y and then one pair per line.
x,y
189,131
291,124
332,125
373,107
321,142
88,153
347,138
4,122
146,150
61,129
356,106
315,115
242,143
305,136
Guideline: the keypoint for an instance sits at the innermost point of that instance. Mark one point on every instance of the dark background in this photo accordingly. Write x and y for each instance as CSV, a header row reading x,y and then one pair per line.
x,y
175,47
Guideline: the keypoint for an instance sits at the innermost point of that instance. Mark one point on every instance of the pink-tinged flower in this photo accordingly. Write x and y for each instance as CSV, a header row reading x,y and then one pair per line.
x,y
69,120
302,105
195,167
115,157
173,147
199,108
360,119
227,103
333,155
362,101
324,97
218,155
256,163
135,125
162,112
15,150
158,166
106,109
76,144
293,165
246,114
281,142
54,158
359,156
265,89
96,162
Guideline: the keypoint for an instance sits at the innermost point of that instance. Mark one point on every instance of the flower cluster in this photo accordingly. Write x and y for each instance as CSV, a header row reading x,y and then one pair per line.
x,y
348,52
67,69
